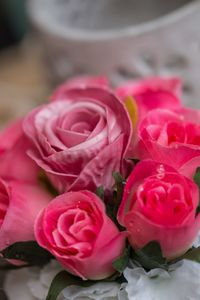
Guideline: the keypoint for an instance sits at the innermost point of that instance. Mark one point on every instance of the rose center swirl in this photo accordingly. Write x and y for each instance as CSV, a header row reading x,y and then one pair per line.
x,y
75,231
175,132
162,201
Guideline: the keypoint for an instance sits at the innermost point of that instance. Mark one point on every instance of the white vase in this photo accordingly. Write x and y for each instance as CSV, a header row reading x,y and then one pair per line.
x,y
122,39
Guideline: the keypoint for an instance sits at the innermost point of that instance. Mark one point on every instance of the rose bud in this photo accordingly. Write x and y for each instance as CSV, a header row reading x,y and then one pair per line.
x,y
74,227
159,204
169,137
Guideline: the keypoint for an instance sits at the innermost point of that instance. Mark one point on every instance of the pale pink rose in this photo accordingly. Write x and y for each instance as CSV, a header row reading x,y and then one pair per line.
x,y
151,93
170,137
80,140
81,81
74,227
159,204
14,161
20,203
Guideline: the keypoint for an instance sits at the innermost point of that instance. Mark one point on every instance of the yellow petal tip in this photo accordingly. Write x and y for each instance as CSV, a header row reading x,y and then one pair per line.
x,y
132,108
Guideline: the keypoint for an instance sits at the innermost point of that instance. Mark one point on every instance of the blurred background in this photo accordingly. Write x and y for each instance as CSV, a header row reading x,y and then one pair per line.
x,y
43,42
23,76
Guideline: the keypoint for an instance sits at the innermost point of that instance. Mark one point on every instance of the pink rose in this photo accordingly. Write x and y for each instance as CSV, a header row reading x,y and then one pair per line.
x,y
170,137
151,84
14,162
19,205
159,204
81,139
81,81
74,227
151,93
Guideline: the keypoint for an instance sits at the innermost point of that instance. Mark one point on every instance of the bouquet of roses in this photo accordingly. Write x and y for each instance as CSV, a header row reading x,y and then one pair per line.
x,y
99,194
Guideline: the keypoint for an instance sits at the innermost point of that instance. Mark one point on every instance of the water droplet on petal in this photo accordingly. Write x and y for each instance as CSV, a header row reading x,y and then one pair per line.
x,y
141,189
160,176
160,172
131,224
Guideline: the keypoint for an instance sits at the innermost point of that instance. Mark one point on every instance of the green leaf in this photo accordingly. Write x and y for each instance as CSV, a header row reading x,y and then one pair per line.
x,y
62,280
196,177
197,210
150,257
121,263
10,267
112,203
29,252
119,189
118,178
192,254
116,277
100,192
45,182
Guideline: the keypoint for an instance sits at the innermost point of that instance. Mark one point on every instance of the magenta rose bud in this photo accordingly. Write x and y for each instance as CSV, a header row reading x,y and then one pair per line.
x,y
159,204
80,139
74,227
15,164
169,136
19,205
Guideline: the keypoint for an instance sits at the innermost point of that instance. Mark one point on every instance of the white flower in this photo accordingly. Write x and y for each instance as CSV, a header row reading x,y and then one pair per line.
x,y
33,284
16,287
99,291
30,283
197,241
122,295
181,283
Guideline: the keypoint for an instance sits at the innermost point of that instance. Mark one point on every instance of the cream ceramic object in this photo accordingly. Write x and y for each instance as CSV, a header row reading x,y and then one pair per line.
x,y
124,39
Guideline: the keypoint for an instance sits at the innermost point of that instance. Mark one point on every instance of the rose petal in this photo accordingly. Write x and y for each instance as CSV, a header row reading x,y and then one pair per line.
x,y
25,202
148,85
81,81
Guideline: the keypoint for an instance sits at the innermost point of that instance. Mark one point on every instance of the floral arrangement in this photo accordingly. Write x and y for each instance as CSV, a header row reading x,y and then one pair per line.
x,y
99,194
